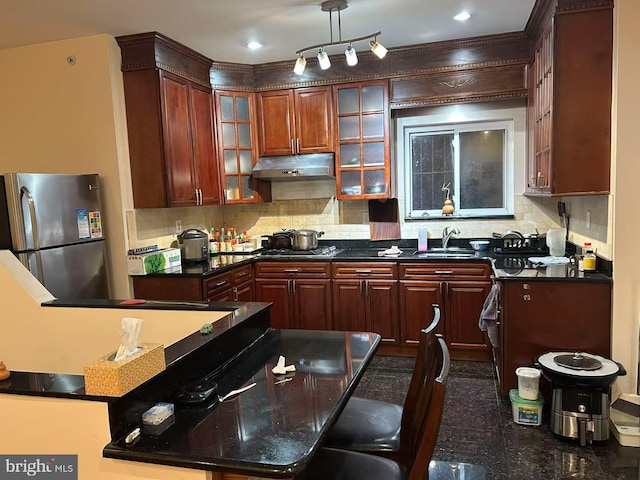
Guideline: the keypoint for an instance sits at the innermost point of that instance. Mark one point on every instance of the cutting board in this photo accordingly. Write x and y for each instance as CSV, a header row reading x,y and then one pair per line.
x,y
384,219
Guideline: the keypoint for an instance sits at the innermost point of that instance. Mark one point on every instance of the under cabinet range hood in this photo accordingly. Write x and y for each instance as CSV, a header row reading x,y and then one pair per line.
x,y
312,166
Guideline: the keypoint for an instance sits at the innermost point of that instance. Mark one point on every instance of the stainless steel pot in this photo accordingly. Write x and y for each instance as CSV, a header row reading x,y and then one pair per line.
x,y
305,239
194,245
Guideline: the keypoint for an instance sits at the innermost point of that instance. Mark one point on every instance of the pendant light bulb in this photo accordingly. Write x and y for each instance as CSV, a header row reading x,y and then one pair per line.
x,y
352,57
378,48
301,62
323,59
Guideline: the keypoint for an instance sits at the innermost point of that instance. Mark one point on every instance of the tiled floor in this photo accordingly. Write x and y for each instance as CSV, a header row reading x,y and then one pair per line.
x,y
478,431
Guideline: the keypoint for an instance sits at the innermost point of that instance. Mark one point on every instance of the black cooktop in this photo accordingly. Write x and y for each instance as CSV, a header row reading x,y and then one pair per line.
x,y
322,251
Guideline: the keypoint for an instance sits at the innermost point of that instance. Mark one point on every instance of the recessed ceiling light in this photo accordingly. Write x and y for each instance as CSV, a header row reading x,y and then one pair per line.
x,y
254,45
462,16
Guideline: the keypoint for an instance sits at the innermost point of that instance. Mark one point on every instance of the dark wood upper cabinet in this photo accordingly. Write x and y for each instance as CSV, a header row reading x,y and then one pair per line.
x,y
170,123
363,165
569,81
295,121
237,149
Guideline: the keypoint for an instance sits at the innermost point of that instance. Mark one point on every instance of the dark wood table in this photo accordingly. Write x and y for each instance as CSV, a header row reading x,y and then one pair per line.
x,y
273,429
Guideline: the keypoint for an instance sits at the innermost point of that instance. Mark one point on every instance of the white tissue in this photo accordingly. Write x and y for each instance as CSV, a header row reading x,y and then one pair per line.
x,y
280,368
393,251
130,334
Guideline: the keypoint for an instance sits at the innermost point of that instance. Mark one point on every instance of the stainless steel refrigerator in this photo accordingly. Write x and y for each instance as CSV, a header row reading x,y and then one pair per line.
x,y
54,225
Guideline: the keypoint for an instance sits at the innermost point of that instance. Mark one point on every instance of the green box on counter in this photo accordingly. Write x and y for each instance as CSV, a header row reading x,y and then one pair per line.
x,y
151,262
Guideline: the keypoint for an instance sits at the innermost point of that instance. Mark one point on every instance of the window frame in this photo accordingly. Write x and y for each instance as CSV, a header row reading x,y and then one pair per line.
x,y
407,126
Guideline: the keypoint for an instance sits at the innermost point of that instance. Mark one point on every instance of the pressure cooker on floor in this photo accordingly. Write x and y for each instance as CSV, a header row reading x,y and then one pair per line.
x,y
580,399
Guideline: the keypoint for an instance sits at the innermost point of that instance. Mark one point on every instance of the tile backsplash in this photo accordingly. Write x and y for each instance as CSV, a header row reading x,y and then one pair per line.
x,y
350,220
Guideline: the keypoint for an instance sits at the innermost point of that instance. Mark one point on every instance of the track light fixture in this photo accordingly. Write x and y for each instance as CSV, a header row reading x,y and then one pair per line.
x,y
377,48
351,56
350,53
323,59
300,64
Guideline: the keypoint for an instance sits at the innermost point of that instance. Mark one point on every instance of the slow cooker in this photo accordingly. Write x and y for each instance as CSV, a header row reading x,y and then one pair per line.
x,y
194,245
580,400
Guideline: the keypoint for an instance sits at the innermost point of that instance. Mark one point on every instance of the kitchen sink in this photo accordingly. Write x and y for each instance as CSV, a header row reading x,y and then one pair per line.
x,y
446,254
451,250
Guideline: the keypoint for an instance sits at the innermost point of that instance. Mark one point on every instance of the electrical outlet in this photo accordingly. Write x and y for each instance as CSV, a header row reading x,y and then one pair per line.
x,y
178,226
588,221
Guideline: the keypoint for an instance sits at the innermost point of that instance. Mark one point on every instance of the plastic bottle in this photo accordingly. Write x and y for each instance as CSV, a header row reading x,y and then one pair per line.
x,y
422,239
589,261
213,243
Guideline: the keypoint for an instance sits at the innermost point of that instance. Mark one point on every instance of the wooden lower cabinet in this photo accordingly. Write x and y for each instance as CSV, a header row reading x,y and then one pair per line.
x,y
367,306
539,317
416,300
300,299
460,289
232,286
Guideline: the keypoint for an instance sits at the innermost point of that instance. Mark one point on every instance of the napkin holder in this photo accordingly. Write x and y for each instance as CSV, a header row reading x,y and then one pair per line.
x,y
116,378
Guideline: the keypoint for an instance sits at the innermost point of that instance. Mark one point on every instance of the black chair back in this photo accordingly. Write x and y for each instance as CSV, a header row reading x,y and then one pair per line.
x,y
432,404
419,391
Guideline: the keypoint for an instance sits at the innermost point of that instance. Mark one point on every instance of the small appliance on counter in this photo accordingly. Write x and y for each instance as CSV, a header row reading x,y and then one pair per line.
x,y
580,399
194,245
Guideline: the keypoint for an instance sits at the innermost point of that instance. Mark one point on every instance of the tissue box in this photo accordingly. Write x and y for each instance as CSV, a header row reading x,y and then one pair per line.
x,y
151,262
114,379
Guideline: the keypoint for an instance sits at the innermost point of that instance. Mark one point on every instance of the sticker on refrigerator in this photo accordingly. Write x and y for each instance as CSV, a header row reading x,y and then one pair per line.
x,y
82,217
95,222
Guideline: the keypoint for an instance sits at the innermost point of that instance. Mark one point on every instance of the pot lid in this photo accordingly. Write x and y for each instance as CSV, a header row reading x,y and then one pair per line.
x,y
607,367
192,233
577,361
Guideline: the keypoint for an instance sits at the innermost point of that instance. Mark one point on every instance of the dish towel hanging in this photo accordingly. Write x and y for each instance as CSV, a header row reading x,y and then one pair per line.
x,y
489,316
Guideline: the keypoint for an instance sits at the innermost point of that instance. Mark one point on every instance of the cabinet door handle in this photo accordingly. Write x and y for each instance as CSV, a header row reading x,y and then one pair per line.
x,y
298,145
235,294
366,288
444,272
292,270
219,284
526,297
293,150
293,282
243,274
361,289
363,272
288,287
195,192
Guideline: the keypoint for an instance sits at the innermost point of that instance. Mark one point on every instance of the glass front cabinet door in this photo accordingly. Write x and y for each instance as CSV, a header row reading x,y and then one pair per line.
x,y
362,156
237,141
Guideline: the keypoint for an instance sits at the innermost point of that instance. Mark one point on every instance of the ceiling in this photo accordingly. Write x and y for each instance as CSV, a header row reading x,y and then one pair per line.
x,y
221,29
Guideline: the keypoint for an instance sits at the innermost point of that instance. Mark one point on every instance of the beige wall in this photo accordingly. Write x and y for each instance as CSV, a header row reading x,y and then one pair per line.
x,y
59,426
62,340
61,118
626,191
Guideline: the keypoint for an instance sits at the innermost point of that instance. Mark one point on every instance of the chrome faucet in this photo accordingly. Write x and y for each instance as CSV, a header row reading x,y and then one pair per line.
x,y
447,234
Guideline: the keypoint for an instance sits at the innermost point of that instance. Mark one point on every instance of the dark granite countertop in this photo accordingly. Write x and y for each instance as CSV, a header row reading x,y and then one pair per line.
x,y
506,267
71,386
274,428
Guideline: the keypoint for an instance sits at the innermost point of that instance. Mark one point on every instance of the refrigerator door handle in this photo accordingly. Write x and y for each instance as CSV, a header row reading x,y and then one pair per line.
x,y
24,191
34,229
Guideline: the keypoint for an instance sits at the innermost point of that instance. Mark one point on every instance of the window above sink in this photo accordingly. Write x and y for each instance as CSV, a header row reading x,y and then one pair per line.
x,y
474,149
